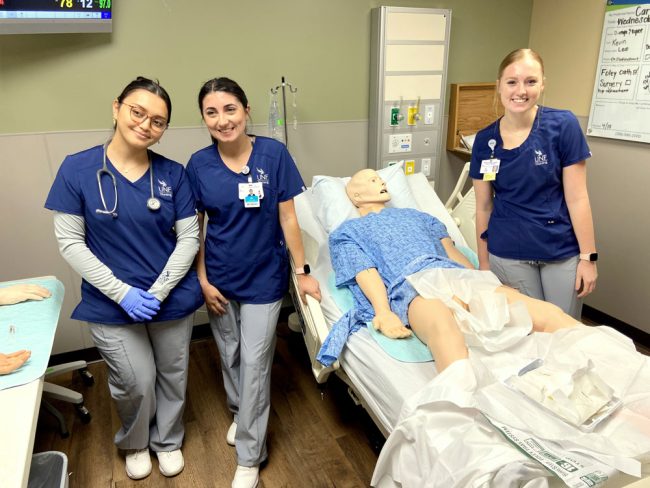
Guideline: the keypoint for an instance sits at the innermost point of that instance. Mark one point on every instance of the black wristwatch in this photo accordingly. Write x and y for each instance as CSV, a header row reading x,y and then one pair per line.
x,y
304,270
591,256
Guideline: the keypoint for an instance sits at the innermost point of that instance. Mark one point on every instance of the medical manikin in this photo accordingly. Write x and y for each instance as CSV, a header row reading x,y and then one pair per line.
x,y
374,254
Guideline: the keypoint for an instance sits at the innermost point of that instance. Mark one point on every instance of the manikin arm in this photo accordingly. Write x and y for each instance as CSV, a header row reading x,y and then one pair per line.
x,y
455,254
21,292
386,321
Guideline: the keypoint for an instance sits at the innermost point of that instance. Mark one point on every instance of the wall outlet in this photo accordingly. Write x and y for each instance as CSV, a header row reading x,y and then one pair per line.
x,y
428,114
426,166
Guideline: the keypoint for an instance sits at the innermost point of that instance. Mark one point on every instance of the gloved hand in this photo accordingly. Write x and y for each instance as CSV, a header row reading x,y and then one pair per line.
x,y
140,305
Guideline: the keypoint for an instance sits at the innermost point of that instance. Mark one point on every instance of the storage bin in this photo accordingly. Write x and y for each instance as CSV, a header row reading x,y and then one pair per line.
x,y
48,470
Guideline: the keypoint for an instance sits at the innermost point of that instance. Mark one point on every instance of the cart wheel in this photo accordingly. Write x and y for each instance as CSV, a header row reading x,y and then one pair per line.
x,y
87,377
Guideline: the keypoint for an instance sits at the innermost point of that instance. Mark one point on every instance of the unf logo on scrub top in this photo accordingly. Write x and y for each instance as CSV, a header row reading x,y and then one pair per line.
x,y
262,177
164,189
540,158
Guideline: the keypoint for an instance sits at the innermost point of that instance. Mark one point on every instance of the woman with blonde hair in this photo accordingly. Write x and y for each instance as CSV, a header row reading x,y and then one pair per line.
x,y
533,217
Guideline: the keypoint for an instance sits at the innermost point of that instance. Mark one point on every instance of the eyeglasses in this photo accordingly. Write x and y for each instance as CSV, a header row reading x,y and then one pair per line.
x,y
139,115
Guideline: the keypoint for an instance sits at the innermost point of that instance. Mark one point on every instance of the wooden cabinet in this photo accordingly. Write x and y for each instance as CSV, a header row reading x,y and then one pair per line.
x,y
472,106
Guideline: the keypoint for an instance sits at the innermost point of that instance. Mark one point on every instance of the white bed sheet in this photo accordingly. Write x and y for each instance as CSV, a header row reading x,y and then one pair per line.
x,y
383,381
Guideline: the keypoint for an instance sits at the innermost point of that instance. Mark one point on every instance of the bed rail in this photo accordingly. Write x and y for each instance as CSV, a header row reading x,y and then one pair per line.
x,y
312,322
462,207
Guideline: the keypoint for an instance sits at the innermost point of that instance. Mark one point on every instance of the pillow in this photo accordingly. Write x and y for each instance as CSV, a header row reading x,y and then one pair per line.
x,y
398,187
333,207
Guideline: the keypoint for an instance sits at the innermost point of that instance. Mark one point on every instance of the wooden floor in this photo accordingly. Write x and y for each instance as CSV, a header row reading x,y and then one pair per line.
x,y
317,437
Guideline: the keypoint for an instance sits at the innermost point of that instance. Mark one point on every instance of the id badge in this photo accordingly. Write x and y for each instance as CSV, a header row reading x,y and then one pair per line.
x,y
251,193
490,168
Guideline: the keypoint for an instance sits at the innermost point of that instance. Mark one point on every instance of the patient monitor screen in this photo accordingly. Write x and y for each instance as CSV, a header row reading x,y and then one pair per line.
x,y
55,16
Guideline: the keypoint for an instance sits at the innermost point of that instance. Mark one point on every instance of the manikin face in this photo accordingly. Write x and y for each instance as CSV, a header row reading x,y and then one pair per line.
x,y
141,118
224,116
365,187
521,84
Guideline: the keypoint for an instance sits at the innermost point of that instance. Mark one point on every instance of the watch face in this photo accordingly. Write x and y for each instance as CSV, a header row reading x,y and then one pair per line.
x,y
593,256
306,269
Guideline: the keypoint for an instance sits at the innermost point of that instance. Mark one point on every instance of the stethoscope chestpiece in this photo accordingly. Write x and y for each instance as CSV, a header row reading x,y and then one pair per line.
x,y
153,204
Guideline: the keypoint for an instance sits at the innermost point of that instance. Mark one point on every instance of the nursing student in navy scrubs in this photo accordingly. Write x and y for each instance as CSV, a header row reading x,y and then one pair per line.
x,y
246,185
533,217
125,220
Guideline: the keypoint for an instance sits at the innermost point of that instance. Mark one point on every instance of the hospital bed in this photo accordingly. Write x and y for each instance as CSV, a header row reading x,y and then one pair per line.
x,y
371,385
376,381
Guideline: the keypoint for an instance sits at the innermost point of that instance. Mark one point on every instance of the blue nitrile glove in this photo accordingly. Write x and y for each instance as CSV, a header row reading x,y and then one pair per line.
x,y
140,305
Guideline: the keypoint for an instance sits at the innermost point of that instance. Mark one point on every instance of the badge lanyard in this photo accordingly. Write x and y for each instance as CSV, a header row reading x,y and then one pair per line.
x,y
490,167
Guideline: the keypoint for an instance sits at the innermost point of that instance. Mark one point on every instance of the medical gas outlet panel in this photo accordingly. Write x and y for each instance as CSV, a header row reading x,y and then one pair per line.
x,y
408,78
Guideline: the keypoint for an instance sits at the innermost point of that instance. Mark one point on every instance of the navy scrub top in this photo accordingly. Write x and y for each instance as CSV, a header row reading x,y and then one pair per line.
x,y
246,257
137,244
530,219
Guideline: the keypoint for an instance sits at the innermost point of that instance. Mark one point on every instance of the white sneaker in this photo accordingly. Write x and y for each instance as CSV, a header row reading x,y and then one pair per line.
x,y
230,436
246,477
138,464
170,463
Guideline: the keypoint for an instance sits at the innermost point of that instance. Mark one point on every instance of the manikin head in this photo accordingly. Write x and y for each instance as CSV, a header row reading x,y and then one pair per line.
x,y
367,191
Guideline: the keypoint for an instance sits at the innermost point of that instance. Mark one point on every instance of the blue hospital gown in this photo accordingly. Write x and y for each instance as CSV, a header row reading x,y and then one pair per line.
x,y
397,242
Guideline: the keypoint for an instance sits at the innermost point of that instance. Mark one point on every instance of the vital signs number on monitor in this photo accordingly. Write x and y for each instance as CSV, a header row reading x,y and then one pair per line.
x,y
55,16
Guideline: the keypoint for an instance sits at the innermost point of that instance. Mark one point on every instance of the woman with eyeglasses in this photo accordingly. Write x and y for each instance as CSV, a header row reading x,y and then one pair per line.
x,y
125,220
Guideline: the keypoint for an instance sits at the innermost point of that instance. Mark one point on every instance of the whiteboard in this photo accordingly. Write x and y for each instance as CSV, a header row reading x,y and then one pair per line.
x,y
620,104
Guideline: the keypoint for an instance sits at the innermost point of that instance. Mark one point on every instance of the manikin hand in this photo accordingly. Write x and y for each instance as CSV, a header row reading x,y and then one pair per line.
x,y
12,361
214,300
22,292
389,324
308,285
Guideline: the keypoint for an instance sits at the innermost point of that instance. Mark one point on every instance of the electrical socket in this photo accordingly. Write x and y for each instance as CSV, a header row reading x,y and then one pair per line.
x,y
428,114
426,166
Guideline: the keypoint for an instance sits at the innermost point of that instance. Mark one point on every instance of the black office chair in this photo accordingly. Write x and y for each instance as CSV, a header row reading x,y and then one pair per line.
x,y
57,392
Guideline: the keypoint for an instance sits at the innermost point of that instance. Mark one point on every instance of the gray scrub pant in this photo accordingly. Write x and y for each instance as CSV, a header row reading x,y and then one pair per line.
x,y
245,336
147,377
552,281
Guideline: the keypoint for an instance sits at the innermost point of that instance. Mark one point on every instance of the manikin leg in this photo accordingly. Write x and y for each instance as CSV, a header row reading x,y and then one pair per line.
x,y
434,324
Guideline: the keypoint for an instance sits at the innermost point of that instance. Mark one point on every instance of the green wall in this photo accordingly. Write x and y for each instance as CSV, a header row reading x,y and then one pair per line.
x,y
67,82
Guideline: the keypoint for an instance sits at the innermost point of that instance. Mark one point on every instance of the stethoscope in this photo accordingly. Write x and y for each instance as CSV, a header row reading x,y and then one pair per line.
x,y
153,203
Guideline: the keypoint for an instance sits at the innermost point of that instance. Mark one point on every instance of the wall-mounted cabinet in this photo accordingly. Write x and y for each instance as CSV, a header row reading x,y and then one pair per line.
x,y
472,106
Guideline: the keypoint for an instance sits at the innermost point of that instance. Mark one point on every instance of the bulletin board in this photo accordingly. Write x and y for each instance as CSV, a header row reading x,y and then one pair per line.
x,y
620,104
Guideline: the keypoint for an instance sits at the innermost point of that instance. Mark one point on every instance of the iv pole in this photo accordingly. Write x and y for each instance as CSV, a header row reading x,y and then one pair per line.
x,y
274,91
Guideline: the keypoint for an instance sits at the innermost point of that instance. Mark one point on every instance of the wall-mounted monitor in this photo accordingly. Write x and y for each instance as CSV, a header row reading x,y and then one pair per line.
x,y
55,16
